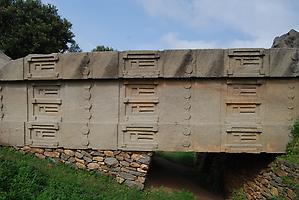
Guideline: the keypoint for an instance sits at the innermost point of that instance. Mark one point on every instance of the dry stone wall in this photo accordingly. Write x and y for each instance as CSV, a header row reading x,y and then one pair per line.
x,y
128,168
280,179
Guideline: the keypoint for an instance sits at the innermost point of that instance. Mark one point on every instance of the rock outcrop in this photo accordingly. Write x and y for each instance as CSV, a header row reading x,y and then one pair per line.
x,y
288,40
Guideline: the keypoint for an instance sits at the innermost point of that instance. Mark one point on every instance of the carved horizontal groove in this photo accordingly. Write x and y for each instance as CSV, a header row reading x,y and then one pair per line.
x,y
141,100
141,56
43,58
140,127
43,126
141,136
244,130
45,100
143,108
246,52
239,101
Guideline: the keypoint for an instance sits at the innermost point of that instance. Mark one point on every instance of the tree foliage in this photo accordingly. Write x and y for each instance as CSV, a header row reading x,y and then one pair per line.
x,y
102,48
28,26
74,48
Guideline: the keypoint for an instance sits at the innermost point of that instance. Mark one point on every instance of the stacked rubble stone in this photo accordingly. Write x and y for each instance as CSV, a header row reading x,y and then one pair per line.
x,y
278,180
129,168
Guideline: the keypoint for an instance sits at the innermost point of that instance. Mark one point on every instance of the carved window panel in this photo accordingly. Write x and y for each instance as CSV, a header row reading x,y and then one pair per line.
x,y
43,134
142,108
246,62
141,64
243,110
49,109
46,91
243,91
141,102
139,137
243,135
140,91
243,139
42,66
46,102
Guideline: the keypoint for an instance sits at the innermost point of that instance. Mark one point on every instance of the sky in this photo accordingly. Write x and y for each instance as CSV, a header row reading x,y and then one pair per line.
x,y
178,24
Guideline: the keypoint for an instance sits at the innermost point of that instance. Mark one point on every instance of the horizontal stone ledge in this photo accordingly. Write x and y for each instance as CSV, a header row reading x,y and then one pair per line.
x,y
198,63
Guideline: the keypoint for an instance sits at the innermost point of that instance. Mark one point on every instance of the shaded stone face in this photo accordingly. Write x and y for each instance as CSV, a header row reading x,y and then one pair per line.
x,y
204,100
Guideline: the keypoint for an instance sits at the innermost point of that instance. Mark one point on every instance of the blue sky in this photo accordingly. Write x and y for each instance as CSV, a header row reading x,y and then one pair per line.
x,y
178,24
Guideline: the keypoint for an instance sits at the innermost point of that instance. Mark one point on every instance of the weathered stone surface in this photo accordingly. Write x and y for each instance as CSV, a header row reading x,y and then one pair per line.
x,y
86,154
40,156
98,158
120,180
136,156
144,167
52,154
111,161
71,159
64,157
87,159
69,152
136,173
37,150
288,40
134,184
141,179
79,160
127,176
97,153
78,155
108,153
80,165
104,121
93,166
145,160
125,163
134,164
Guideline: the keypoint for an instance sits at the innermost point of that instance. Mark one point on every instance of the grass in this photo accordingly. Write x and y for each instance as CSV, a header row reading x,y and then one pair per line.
x,y
184,158
238,194
24,177
292,155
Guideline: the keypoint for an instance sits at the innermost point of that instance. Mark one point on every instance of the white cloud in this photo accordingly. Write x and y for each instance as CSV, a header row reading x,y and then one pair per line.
x,y
260,20
172,41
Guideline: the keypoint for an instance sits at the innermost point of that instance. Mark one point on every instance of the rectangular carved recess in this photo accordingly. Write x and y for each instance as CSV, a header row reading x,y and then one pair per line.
x,y
46,102
43,134
246,62
141,65
42,66
139,137
244,138
44,115
243,116
140,115
141,101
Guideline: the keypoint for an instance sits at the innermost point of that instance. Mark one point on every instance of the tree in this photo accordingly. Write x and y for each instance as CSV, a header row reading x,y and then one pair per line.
x,y
74,48
28,26
102,48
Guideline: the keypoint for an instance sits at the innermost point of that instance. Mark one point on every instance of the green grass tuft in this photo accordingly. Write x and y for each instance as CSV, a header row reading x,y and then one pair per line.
x,y
292,155
184,158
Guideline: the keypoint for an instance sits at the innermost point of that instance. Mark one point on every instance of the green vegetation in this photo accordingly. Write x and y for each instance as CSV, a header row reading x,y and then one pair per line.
x,y
238,194
25,177
185,158
292,155
102,48
29,26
